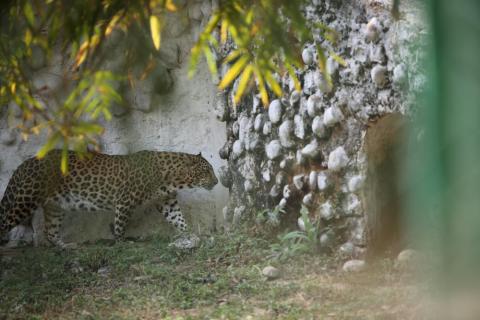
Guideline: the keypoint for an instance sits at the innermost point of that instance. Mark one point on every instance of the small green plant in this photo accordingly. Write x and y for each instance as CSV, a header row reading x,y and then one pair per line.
x,y
270,217
298,241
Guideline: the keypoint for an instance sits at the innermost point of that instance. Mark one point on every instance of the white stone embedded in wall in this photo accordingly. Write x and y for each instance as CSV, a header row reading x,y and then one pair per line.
x,y
322,181
332,116
318,127
285,134
273,149
275,111
308,56
311,150
399,75
326,210
312,180
308,199
237,149
373,30
299,126
355,183
379,75
323,85
337,159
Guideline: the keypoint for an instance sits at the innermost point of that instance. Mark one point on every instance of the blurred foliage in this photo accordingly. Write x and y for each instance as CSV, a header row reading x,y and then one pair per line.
x,y
444,165
266,39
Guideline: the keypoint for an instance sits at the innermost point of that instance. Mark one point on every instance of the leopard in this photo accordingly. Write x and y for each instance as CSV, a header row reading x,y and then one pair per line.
x,y
101,182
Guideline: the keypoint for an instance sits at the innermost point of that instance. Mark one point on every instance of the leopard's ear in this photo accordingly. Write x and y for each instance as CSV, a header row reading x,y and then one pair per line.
x,y
199,154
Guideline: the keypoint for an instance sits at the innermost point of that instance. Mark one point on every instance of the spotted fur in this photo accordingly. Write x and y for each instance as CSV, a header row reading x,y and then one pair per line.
x,y
102,182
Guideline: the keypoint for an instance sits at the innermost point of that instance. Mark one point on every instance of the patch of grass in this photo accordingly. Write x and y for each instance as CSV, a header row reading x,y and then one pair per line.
x,y
220,279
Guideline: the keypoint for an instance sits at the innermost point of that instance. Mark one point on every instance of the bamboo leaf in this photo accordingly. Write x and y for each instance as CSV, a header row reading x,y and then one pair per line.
x,y
49,145
292,74
82,53
232,55
194,57
322,65
233,72
64,161
261,87
224,31
337,58
107,114
87,128
28,11
242,85
113,23
212,23
211,61
322,60
170,5
28,37
273,84
156,30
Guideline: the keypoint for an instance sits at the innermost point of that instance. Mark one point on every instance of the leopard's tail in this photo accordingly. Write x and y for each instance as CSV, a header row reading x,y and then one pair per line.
x,y
5,207
3,220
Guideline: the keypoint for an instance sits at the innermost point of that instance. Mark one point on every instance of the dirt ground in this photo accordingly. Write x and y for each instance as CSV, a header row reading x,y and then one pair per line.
x,y
222,279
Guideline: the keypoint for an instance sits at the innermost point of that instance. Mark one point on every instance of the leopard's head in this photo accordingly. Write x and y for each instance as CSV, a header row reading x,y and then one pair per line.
x,y
203,173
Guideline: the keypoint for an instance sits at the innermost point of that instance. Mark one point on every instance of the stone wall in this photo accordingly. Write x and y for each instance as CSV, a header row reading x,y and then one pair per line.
x,y
164,111
307,148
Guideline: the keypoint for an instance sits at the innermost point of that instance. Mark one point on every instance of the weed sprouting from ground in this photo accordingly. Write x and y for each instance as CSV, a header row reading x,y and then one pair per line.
x,y
293,243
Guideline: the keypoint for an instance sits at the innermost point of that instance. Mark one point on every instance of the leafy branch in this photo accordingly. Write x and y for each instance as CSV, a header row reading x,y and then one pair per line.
x,y
268,37
74,31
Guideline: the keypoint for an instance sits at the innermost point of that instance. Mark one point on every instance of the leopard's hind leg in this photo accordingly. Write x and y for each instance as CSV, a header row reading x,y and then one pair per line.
x,y
123,211
15,211
54,216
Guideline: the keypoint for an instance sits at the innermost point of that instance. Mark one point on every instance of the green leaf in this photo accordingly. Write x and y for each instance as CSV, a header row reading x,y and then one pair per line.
x,y
28,11
87,128
261,87
212,23
194,58
242,85
156,31
295,235
107,114
292,74
337,58
233,55
64,161
49,145
212,63
273,84
233,73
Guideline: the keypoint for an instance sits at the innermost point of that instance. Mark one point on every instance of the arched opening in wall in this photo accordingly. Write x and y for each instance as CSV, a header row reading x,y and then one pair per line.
x,y
384,200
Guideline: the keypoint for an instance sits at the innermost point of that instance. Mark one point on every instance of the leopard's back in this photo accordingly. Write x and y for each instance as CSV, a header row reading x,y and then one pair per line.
x,y
92,183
